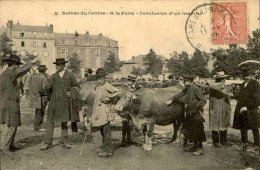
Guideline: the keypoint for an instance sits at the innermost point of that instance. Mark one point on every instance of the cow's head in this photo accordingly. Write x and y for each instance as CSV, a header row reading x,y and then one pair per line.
x,y
129,103
125,101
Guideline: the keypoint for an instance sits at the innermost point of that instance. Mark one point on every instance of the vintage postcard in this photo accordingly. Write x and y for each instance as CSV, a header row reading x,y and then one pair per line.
x,y
127,85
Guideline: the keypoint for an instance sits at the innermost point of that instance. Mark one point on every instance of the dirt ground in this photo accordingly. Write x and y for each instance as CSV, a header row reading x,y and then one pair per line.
x,y
163,156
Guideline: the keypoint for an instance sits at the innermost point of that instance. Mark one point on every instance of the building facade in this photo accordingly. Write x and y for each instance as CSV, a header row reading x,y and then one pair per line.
x,y
41,41
36,40
92,50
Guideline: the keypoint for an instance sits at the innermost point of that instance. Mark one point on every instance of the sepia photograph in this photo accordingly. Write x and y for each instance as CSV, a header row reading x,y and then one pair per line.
x,y
130,85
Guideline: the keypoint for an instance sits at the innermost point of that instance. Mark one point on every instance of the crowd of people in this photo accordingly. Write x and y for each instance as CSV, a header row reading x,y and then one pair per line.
x,y
62,91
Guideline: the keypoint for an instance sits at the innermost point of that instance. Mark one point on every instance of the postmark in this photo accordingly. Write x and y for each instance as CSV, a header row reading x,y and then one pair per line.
x,y
206,27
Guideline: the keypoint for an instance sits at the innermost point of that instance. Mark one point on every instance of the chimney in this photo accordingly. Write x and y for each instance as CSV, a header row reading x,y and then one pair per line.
x,y
100,35
87,33
76,33
133,57
10,23
51,26
18,22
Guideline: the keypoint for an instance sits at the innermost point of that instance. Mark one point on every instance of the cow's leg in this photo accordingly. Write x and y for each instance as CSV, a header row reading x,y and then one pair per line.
x,y
148,142
145,134
176,126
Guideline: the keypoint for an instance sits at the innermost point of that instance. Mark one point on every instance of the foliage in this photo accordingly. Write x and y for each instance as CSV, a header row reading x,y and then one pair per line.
x,y
153,64
227,60
74,64
138,71
112,64
182,65
5,48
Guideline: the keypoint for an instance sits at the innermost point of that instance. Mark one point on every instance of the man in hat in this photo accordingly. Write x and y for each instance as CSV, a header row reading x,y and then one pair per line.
x,y
59,88
247,113
132,86
38,98
219,109
194,110
102,113
10,117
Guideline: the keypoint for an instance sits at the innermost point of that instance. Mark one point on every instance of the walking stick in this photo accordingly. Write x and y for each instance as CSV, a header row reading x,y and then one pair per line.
x,y
82,145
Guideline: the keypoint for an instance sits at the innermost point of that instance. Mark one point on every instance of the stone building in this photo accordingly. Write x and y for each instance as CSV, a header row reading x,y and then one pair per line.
x,y
92,50
41,41
36,40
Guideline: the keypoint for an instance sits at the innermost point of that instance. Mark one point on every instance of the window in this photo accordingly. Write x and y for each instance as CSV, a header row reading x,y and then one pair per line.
x,y
22,34
97,53
44,45
64,51
62,41
34,44
77,51
87,41
45,54
45,35
34,34
76,41
22,44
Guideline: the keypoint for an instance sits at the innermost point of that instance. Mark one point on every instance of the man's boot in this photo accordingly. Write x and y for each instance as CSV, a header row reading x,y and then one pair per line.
x,y
124,131
129,140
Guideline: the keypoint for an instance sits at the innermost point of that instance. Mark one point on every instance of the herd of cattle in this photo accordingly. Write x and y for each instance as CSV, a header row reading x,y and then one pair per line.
x,y
146,106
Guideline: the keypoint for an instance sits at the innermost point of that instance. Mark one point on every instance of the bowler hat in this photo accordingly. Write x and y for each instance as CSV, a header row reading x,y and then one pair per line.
x,y
14,59
90,71
42,67
131,77
189,77
220,74
100,72
60,61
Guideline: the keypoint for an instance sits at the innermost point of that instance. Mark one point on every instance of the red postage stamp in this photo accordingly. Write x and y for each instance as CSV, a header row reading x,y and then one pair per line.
x,y
230,24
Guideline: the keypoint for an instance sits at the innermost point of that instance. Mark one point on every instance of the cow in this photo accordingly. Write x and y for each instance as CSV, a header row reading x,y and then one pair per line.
x,y
147,107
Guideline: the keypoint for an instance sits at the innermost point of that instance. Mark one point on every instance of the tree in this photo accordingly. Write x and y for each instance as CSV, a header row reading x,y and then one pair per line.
x,y
153,64
197,65
253,45
5,48
30,57
228,59
74,64
138,71
112,64
181,66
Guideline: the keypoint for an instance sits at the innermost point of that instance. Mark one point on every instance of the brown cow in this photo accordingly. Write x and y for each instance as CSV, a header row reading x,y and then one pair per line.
x,y
147,107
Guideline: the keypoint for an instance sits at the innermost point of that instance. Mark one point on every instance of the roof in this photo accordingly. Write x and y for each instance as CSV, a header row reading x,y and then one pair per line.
x,y
18,27
139,59
81,36
127,62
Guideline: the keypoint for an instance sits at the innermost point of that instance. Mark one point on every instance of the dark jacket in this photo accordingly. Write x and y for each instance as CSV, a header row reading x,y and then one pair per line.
x,y
10,95
59,105
248,97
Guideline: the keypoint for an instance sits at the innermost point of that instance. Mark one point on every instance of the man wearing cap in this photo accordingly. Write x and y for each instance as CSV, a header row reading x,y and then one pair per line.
x,y
219,109
38,98
102,113
247,113
59,93
10,117
194,120
131,86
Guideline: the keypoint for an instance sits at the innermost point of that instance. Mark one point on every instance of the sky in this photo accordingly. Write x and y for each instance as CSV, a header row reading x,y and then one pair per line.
x,y
136,34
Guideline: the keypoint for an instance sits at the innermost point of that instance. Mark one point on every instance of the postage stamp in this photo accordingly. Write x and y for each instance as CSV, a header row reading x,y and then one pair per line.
x,y
230,25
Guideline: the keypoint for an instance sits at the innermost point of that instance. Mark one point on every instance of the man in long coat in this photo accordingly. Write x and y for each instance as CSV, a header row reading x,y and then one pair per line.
x,y
60,110
194,120
38,98
219,109
102,113
247,115
10,117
